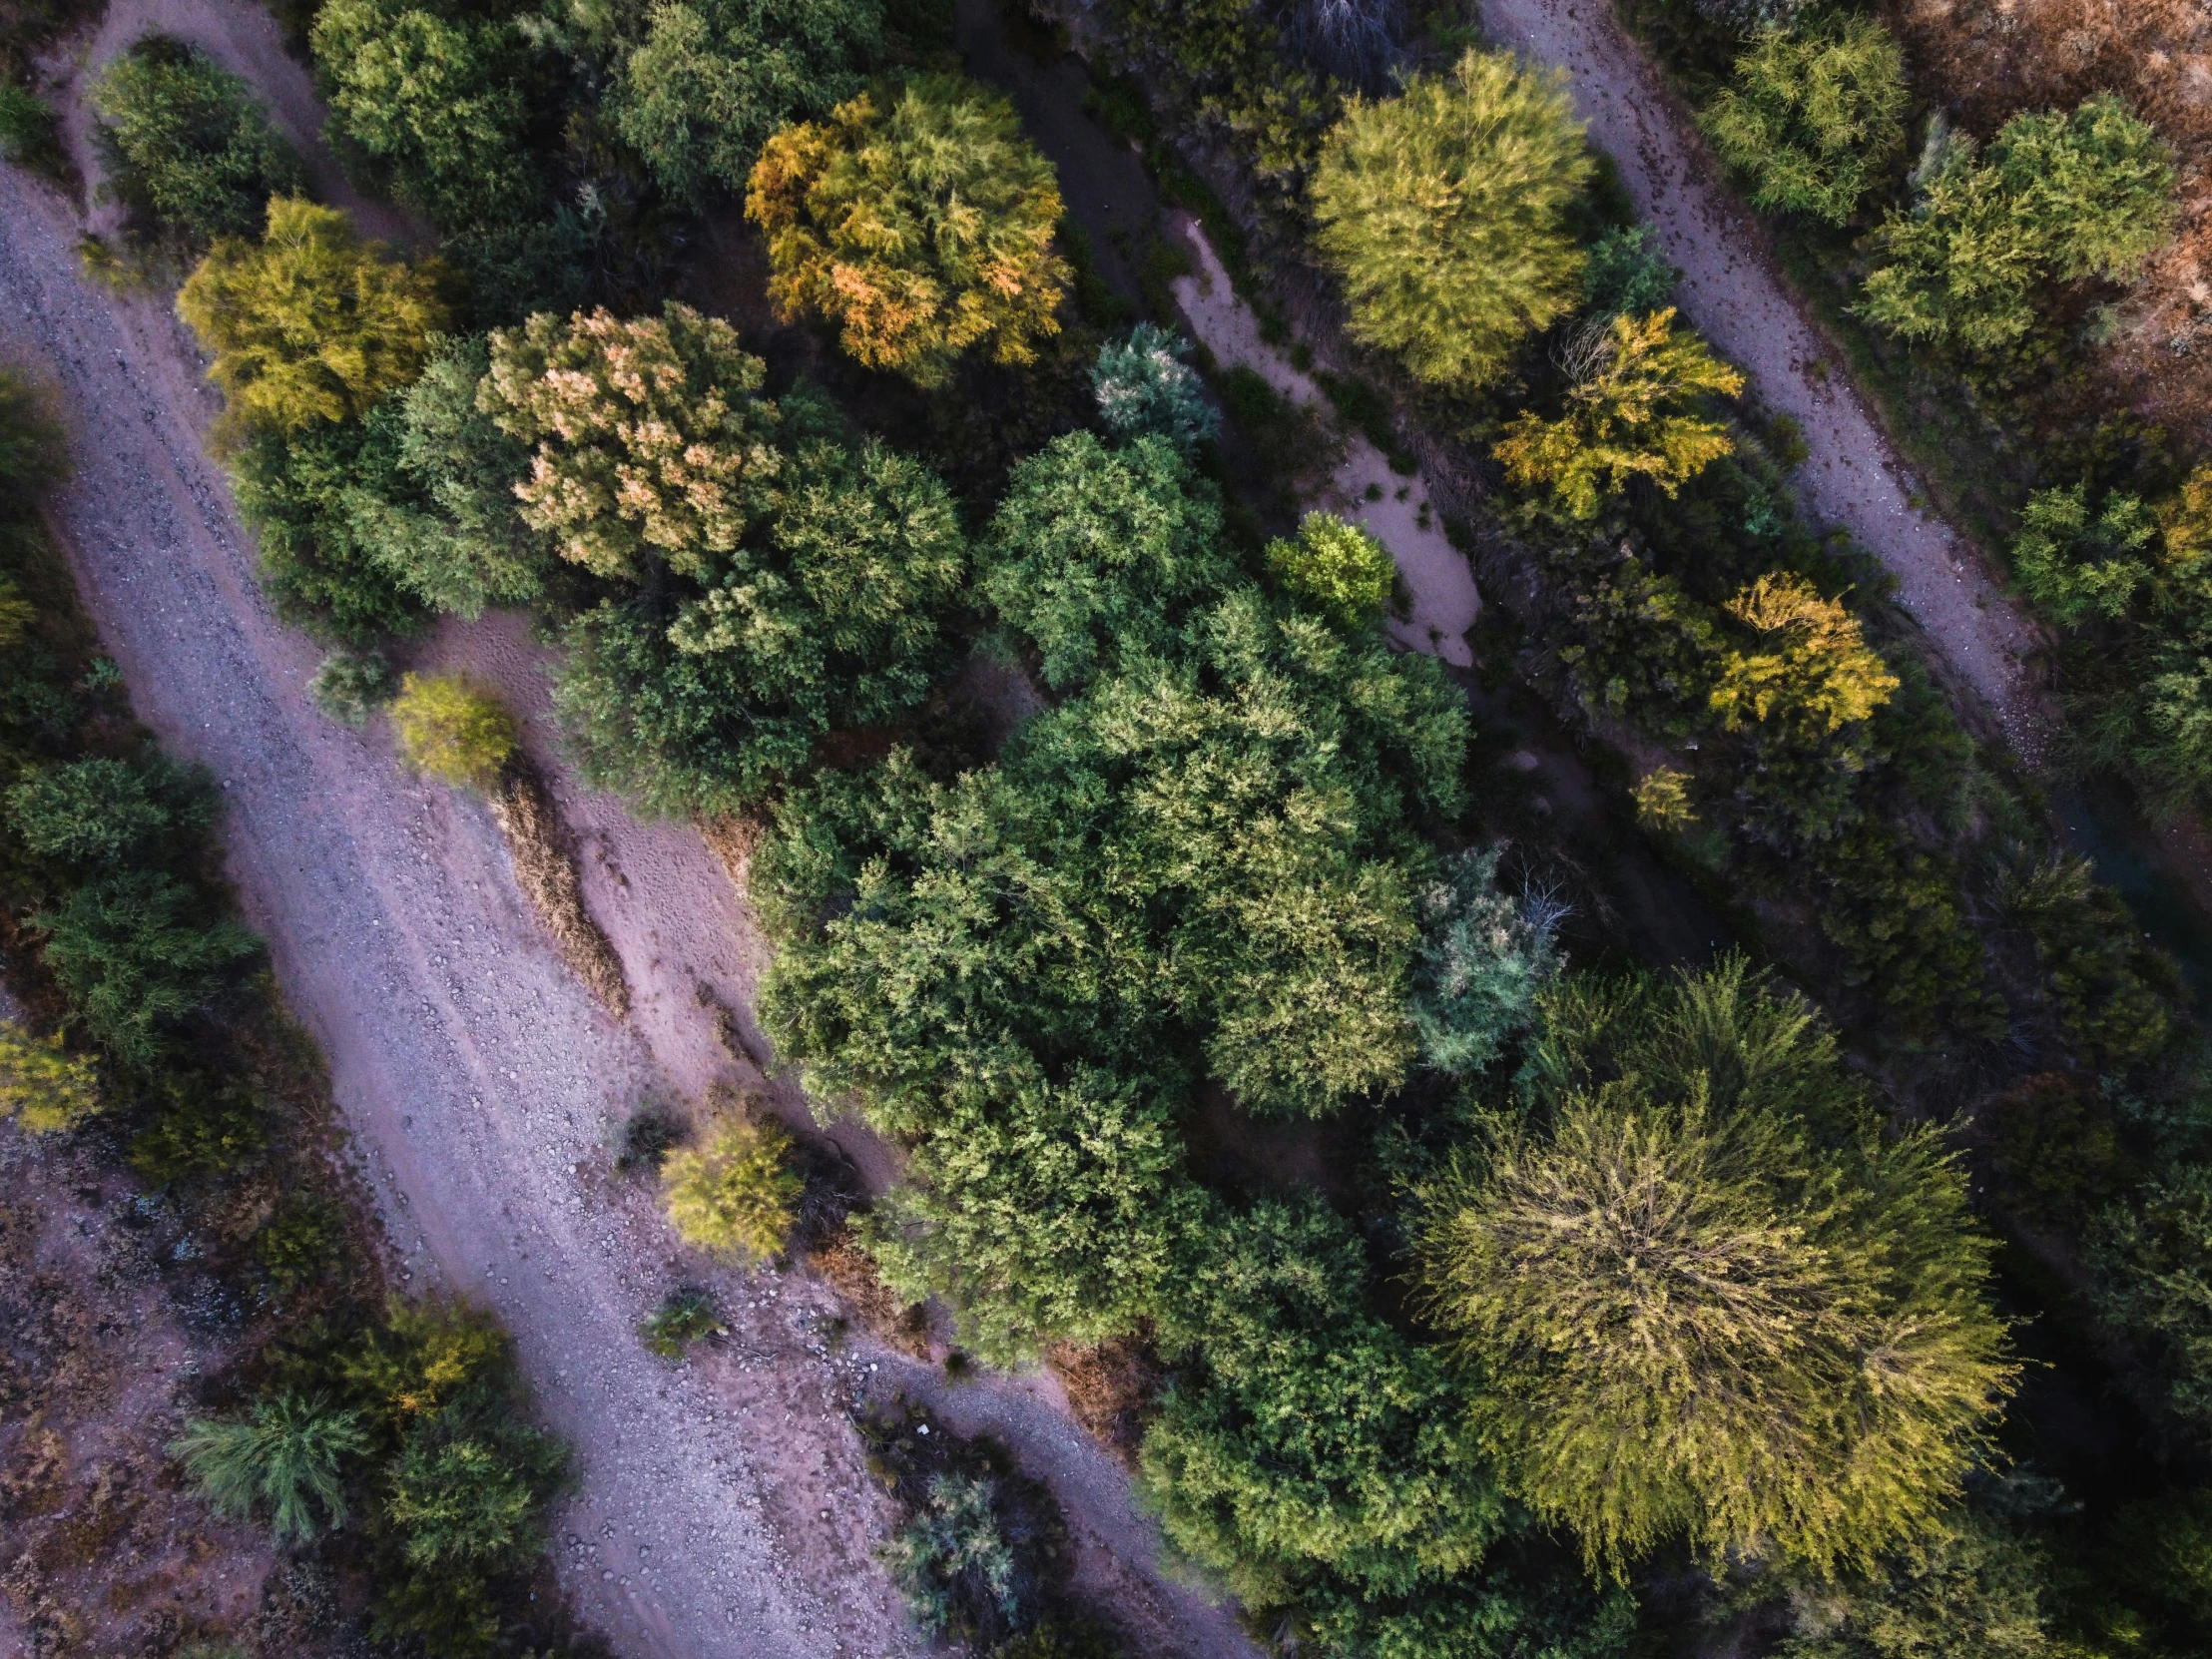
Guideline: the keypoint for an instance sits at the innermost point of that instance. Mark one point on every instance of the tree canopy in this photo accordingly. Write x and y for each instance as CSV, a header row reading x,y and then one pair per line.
x,y
185,145
1444,209
1700,1294
1814,118
918,220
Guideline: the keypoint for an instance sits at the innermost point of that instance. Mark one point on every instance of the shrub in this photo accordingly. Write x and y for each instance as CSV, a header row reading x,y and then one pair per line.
x,y
686,1316
736,1194
43,1086
201,1127
1483,960
2078,567
2151,1254
453,728
1663,802
184,145
100,814
711,79
960,1574
29,128
137,951
1976,1589
1335,568
1815,671
920,221
1625,275
311,324
350,685
1672,1289
1630,414
286,1454
1144,386
1814,120
1444,210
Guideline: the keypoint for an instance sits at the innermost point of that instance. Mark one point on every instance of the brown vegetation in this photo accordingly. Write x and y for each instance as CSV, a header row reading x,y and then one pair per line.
x,y
734,841
1986,58
545,869
1113,1390
851,1271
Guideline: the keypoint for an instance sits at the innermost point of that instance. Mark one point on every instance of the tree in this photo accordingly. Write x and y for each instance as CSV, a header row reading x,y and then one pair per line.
x,y
1814,120
1625,275
1817,669
1629,415
735,1193
1142,386
43,1086
1703,1296
1335,568
2149,1253
185,145
1975,1591
2076,567
2059,198
919,220
711,79
443,519
1042,1213
649,440
1481,962
287,1453
100,813
453,728
137,951
1444,209
1096,552
312,325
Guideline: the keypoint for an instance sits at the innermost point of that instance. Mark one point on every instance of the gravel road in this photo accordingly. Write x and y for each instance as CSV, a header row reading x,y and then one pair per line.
x,y
721,1507
1852,479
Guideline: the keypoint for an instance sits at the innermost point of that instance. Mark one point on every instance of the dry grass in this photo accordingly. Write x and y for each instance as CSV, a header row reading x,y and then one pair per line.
x,y
1988,58
1113,1390
851,1271
734,841
545,869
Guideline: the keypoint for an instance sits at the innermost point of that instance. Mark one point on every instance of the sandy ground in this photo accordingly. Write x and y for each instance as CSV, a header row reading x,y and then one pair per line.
x,y
1440,586
721,1507
1852,479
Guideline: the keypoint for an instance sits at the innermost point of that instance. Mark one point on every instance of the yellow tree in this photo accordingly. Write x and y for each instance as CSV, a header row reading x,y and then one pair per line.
x,y
736,1194
1632,412
312,323
1815,663
919,220
453,728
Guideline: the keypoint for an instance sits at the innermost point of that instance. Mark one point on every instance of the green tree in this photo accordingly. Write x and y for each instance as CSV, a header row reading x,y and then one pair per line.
x,y
137,951
311,324
1703,1296
2152,1254
2059,197
1142,386
1631,413
735,1193
100,814
1483,960
1815,119
1042,1213
185,145
2078,566
1976,1590
919,220
1097,551
43,1086
287,1453
1335,568
453,728
711,79
325,568
1444,212
1625,275
443,519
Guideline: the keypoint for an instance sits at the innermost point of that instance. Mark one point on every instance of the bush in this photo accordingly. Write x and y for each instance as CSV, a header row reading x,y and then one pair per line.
x,y
920,221
29,128
102,814
2150,1255
1814,120
711,79
43,1086
186,147
351,685
736,1194
201,1127
311,324
686,1316
961,1574
1335,568
1443,209
1669,1287
453,728
1144,386
137,952
1483,960
287,1453
1630,414
1626,276
2078,567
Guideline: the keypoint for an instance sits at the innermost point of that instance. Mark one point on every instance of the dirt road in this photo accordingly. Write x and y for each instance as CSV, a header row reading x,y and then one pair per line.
x,y
1852,480
721,1507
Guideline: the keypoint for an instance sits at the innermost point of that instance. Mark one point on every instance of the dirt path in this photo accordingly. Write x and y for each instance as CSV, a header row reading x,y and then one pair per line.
x,y
722,1508
1852,480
